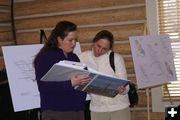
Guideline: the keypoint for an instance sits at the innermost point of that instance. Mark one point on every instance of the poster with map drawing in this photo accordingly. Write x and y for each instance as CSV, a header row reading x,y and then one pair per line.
x,y
21,77
20,71
153,60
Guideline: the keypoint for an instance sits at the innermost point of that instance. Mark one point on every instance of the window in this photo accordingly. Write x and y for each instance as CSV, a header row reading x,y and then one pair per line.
x,y
169,23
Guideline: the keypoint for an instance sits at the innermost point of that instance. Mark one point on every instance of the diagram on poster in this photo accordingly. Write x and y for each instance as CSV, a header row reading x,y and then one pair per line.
x,y
21,77
153,60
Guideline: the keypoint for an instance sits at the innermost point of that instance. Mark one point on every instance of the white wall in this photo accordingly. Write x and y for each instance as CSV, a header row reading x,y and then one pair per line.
x,y
152,19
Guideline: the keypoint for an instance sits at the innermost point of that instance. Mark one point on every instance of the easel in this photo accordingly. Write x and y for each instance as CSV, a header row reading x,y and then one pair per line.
x,y
146,32
148,103
166,87
148,100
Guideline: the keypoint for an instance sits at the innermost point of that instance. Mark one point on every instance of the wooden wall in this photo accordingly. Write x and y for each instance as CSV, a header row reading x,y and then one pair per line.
x,y
123,17
6,36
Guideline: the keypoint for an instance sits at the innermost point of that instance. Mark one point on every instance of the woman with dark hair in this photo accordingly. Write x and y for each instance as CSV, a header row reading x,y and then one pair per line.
x,y
59,100
101,107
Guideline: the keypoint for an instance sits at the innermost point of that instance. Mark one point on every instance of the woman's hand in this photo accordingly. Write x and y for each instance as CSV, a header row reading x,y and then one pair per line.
x,y
79,79
121,89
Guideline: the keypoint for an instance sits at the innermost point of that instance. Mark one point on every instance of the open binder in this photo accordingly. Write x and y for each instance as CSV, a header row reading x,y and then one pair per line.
x,y
100,84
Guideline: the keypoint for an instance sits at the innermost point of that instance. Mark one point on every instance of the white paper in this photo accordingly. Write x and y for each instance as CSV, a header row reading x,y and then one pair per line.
x,y
153,60
21,76
20,71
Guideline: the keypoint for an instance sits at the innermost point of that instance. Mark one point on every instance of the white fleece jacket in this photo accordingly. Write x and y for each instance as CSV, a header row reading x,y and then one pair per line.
x,y
102,103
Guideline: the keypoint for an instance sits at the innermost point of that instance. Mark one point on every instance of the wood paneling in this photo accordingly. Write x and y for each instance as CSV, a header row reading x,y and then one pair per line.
x,y
129,64
5,36
106,16
5,16
5,28
123,49
120,32
5,25
50,6
1,63
5,19
143,99
28,38
5,2
86,34
133,79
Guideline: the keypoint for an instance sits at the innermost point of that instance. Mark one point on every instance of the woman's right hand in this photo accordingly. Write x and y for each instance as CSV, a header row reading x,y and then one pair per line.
x,y
77,80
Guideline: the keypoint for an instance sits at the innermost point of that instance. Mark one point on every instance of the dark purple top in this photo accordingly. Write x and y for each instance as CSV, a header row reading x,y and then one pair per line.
x,y
57,96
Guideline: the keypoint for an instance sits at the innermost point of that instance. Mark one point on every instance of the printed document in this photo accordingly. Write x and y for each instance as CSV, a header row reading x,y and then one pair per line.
x,y
101,84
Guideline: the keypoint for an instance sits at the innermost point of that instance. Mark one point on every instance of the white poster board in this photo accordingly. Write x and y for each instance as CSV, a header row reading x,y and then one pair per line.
x,y
153,60
20,71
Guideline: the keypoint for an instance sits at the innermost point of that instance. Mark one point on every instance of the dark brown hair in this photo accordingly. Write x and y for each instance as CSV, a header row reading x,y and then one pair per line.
x,y
104,34
61,30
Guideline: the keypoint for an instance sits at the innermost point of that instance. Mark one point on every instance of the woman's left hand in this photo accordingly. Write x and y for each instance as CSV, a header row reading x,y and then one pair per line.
x,y
121,89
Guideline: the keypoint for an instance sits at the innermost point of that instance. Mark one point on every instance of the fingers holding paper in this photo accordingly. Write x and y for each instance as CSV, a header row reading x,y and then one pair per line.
x,y
77,79
121,89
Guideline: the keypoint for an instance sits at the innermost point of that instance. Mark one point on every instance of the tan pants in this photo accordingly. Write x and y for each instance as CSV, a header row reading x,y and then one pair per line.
x,y
123,114
54,115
